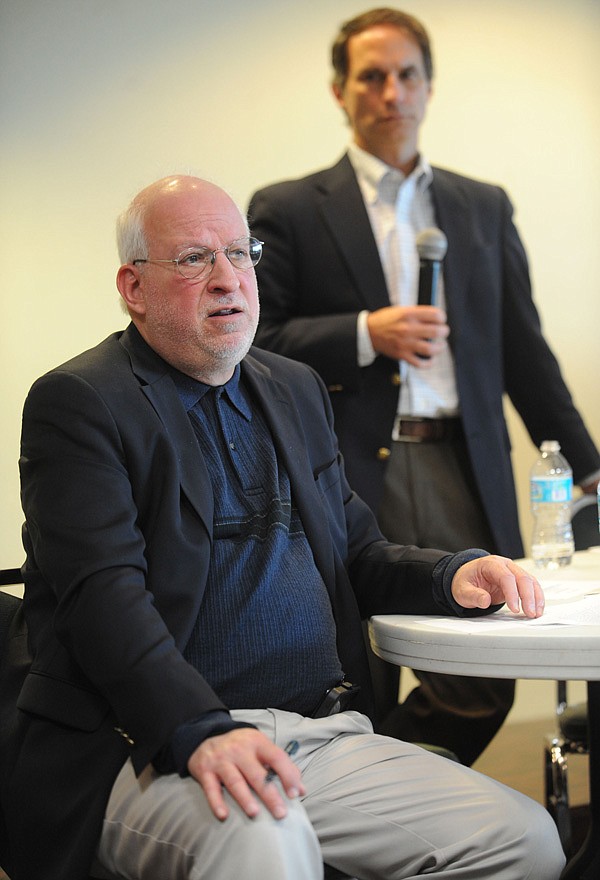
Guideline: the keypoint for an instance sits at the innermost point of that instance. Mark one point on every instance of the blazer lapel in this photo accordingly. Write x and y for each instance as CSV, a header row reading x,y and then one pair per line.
x,y
158,387
453,217
344,214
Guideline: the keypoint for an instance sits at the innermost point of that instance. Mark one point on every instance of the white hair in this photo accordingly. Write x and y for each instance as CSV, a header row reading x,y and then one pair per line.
x,y
131,238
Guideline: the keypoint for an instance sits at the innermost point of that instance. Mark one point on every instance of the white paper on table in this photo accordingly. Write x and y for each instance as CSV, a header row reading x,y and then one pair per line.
x,y
567,602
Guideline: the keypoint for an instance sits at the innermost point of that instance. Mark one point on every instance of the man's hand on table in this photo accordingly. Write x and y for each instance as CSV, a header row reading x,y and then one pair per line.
x,y
492,580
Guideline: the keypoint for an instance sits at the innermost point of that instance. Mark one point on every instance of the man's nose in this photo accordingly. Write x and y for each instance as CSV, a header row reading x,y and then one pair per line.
x,y
222,274
393,88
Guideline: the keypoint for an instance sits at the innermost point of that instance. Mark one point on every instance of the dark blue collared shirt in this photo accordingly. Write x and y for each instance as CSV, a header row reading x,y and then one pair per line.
x,y
265,635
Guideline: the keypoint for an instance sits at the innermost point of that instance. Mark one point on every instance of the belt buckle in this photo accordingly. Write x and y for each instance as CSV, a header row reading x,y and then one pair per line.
x,y
407,438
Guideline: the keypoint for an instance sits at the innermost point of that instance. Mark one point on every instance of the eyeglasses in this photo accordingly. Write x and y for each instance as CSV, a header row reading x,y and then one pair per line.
x,y
243,253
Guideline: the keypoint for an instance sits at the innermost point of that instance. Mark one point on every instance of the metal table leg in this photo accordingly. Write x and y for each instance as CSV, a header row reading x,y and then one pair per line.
x,y
585,864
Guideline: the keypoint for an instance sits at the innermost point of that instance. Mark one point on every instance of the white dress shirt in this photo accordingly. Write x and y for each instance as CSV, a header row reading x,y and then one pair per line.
x,y
399,207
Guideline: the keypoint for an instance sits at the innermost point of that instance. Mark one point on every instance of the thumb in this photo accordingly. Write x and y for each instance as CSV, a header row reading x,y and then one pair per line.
x,y
471,596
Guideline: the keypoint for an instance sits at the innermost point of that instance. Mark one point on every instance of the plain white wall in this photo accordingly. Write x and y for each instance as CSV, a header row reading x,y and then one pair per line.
x,y
98,98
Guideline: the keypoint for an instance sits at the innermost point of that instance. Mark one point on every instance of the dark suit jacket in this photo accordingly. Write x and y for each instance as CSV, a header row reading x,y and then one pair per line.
x,y
119,507
321,267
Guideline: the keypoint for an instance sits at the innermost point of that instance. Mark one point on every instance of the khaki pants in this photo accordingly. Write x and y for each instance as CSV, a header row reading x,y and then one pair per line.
x,y
375,808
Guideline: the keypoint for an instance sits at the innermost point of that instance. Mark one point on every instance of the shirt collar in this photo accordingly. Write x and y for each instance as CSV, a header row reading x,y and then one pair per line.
x,y
190,391
371,171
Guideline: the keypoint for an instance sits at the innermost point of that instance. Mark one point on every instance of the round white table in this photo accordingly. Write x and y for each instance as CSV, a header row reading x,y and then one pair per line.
x,y
515,650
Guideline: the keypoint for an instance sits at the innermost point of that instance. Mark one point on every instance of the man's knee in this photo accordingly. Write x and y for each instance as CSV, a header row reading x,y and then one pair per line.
x,y
163,826
526,840
542,846
263,848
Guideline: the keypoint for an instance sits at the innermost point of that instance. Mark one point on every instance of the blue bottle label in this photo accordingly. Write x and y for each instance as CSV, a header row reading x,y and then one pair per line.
x,y
551,490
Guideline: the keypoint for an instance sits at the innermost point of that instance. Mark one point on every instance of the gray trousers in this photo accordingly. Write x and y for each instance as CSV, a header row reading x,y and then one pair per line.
x,y
374,808
430,500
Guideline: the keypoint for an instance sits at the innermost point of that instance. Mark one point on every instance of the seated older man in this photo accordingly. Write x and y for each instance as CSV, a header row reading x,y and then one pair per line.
x,y
193,698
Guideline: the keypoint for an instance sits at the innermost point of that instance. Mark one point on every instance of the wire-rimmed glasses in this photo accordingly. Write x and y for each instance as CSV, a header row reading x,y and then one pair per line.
x,y
193,262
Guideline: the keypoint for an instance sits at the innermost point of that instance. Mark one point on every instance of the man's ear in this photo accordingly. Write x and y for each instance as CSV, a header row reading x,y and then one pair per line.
x,y
338,94
129,286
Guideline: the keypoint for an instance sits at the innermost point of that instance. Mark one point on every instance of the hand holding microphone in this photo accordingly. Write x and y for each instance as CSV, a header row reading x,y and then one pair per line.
x,y
415,333
432,245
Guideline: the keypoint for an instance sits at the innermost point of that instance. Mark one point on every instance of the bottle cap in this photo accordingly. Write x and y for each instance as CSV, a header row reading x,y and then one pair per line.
x,y
550,446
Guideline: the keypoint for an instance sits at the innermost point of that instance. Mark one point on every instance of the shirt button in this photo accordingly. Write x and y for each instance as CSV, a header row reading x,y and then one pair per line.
x,y
383,453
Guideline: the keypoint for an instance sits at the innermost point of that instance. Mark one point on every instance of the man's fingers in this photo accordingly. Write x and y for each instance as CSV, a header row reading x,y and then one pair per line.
x,y
241,791
245,764
213,792
492,580
528,591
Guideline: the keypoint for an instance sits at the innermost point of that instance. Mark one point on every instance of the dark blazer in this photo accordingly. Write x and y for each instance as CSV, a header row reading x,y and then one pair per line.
x,y
321,267
118,508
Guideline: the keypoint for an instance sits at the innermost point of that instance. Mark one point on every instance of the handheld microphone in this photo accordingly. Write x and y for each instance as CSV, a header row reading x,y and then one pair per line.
x,y
432,245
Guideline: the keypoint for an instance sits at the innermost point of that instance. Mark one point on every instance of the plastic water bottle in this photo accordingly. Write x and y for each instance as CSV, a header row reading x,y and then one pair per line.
x,y
551,486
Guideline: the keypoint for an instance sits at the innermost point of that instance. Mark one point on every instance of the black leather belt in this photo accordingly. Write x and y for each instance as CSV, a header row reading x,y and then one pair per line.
x,y
415,430
337,699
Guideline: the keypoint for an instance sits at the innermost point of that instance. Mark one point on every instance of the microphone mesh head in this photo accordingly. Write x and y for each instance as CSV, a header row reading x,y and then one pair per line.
x,y
432,244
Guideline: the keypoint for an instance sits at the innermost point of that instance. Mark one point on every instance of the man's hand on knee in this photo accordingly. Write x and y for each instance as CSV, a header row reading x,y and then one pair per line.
x,y
240,761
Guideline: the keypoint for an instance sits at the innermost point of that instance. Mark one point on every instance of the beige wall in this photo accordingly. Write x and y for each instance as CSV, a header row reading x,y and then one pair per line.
x,y
98,98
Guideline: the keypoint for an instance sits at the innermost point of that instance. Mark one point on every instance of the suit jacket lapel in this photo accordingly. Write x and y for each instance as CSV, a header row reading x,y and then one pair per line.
x,y
344,214
158,387
453,217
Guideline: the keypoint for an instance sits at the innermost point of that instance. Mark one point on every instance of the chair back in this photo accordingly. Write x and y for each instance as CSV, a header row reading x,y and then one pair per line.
x,y
10,576
9,606
584,522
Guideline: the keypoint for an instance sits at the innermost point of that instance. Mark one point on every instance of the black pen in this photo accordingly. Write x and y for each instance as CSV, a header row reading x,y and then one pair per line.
x,y
291,749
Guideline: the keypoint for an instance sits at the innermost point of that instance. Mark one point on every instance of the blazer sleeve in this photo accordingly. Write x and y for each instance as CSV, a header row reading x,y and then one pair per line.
x,y
533,378
89,525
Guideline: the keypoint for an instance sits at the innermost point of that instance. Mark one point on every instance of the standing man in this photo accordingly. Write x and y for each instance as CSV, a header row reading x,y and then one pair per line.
x,y
196,561
416,390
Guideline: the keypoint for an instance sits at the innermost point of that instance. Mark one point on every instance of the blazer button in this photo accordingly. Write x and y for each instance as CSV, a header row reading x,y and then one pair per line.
x,y
395,379
383,453
125,736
